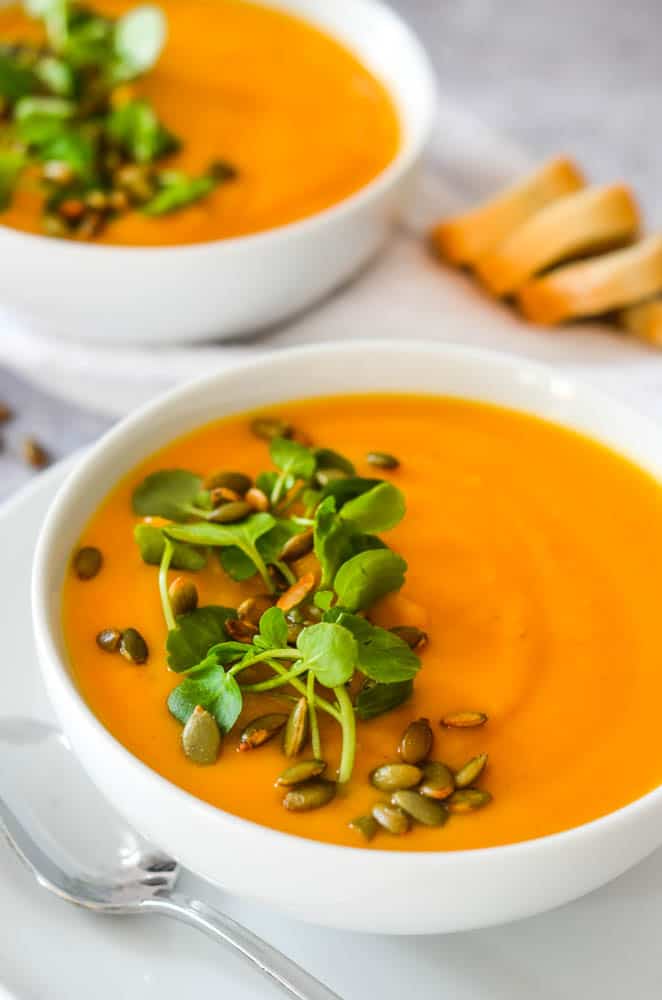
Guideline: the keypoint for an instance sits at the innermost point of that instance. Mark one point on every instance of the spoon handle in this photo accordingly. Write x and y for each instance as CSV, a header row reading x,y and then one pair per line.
x,y
281,970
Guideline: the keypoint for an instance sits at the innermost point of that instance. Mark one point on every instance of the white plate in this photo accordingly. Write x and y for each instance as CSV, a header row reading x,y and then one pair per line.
x,y
607,944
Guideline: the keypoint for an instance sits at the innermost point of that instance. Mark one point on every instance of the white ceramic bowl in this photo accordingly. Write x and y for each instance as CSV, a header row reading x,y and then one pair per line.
x,y
340,886
230,287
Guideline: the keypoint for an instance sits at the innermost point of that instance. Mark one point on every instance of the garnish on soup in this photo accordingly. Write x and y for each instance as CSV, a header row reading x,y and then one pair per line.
x,y
73,125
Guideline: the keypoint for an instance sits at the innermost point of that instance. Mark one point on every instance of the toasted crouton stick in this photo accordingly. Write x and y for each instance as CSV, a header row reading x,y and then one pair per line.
x,y
644,321
590,220
595,286
465,238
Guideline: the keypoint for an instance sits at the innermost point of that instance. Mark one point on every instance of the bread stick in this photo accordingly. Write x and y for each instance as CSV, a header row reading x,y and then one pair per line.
x,y
589,220
589,288
465,238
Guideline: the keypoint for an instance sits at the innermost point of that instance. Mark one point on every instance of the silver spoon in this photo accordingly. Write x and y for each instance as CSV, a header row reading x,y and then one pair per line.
x,y
78,848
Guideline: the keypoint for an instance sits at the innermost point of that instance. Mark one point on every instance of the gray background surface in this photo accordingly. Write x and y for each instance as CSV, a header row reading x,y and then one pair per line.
x,y
583,77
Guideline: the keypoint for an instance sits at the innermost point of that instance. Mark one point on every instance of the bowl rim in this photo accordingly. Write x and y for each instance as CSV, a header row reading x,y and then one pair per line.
x,y
410,149
53,667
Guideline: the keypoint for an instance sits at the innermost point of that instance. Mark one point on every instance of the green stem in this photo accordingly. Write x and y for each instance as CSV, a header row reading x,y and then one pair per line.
x,y
256,558
168,550
312,716
293,497
286,571
267,655
299,686
279,485
276,682
306,522
348,724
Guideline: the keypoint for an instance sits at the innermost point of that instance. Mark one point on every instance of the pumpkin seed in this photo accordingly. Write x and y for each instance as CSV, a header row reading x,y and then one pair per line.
x,y
109,640
261,730
391,817
201,737
382,459
416,742
252,609
133,647
294,630
303,770
240,630
464,720
183,595
415,638
257,499
367,826
229,513
239,482
271,427
221,494
423,810
87,562
5,413
297,547
471,771
295,733
297,592
310,795
438,781
390,777
466,800
325,476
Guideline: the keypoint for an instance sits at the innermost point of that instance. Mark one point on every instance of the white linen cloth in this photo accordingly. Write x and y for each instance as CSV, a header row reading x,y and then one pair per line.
x,y
404,293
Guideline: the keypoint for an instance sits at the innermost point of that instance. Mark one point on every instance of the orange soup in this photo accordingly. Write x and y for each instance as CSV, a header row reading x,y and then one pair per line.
x,y
301,120
534,566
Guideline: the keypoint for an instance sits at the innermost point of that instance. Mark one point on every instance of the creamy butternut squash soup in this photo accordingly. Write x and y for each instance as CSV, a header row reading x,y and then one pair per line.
x,y
518,564
243,119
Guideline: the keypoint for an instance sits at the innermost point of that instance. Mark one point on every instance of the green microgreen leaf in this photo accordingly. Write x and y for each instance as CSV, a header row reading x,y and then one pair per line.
x,y
56,75
237,564
47,107
243,536
375,699
151,542
16,81
293,458
177,190
139,38
323,599
379,509
12,163
382,655
136,129
273,628
330,651
214,690
331,540
54,15
365,578
327,458
343,490
266,481
168,493
189,643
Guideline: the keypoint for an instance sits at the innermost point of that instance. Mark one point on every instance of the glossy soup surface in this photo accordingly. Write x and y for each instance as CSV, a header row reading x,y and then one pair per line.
x,y
303,121
535,563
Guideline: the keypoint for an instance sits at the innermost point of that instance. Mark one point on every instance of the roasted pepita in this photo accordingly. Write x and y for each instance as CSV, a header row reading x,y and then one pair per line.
x,y
222,494
382,459
416,742
438,781
303,770
466,800
271,427
391,818
261,730
297,592
240,630
133,647
325,476
464,720
238,482
390,777
297,547
367,826
415,637
183,596
201,737
109,640
471,771
310,795
257,499
423,810
295,733
252,609
87,562
229,513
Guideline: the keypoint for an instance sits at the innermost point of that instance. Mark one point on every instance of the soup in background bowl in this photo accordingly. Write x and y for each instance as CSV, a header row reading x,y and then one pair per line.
x,y
530,537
